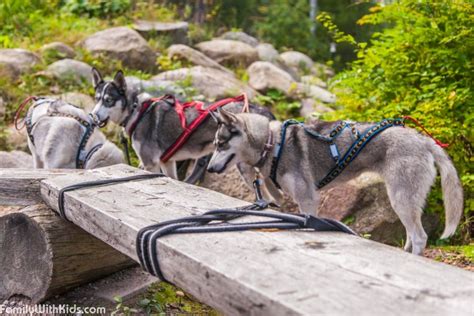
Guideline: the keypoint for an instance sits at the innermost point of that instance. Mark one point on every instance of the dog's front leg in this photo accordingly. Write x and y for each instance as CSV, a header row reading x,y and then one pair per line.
x,y
305,195
169,169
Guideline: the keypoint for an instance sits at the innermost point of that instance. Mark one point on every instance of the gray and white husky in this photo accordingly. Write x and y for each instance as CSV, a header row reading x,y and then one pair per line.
x,y
55,134
403,157
157,129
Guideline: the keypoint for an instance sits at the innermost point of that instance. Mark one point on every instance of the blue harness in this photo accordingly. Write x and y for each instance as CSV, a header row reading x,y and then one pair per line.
x,y
341,163
82,156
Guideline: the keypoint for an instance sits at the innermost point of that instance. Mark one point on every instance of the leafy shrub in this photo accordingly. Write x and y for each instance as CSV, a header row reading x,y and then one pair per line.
x,y
97,8
420,65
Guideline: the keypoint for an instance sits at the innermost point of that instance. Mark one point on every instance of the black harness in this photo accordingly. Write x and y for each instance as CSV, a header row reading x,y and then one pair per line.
x,y
361,140
82,156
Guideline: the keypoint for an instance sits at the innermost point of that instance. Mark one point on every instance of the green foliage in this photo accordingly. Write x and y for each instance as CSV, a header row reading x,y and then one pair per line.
x,y
281,106
97,8
421,65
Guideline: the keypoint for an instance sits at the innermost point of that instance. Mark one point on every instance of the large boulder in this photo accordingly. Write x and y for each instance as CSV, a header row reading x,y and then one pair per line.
x,y
241,37
81,100
124,44
70,69
316,92
194,57
178,31
15,61
15,159
298,61
266,52
9,71
310,106
155,87
229,51
264,75
365,205
57,50
210,82
16,140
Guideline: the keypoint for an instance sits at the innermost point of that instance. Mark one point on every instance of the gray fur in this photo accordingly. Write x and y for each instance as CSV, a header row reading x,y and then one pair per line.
x,y
56,139
404,158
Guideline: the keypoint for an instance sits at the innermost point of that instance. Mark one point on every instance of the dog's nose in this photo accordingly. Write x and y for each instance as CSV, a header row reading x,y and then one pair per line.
x,y
211,169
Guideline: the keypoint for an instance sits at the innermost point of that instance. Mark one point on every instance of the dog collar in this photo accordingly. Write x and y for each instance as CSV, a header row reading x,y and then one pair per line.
x,y
266,149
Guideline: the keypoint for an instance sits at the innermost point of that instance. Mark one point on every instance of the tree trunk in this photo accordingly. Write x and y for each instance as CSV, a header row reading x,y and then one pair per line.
x,y
42,255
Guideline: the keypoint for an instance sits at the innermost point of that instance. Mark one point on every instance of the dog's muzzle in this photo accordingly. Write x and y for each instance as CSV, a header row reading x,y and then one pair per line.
x,y
100,123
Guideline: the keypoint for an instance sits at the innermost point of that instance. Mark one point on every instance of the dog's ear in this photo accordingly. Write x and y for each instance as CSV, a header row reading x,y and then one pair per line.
x,y
216,117
227,117
119,80
96,77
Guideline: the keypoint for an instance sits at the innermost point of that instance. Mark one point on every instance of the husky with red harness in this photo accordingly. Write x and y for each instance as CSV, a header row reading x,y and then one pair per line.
x,y
163,130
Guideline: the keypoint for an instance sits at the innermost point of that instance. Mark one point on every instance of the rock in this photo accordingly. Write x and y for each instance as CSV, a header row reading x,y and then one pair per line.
x,y
210,82
178,31
266,52
156,87
57,50
16,61
70,69
228,51
365,200
15,159
310,106
81,100
300,62
16,140
313,80
9,71
241,37
123,44
264,75
194,57
315,92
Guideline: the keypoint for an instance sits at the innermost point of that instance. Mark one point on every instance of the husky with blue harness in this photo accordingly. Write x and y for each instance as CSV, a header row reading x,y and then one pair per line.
x,y
302,159
61,135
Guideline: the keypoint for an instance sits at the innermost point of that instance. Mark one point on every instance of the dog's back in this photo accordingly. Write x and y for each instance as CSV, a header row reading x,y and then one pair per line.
x,y
56,133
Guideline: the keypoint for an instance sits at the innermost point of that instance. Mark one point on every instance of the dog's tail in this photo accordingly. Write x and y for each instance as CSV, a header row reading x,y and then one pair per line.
x,y
452,190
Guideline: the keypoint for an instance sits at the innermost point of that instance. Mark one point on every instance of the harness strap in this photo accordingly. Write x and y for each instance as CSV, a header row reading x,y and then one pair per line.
x,y
188,130
356,148
278,150
349,155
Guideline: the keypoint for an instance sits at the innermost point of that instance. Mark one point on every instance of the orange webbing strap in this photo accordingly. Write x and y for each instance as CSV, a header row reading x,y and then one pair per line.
x,y
20,109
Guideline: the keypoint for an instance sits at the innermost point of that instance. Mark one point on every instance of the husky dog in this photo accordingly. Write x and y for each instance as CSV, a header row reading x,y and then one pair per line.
x,y
55,133
403,157
159,128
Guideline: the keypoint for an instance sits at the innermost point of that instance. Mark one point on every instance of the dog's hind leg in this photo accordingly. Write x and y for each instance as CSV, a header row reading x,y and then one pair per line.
x,y
407,189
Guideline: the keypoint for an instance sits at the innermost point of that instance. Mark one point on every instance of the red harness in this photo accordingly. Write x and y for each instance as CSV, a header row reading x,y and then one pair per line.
x,y
189,129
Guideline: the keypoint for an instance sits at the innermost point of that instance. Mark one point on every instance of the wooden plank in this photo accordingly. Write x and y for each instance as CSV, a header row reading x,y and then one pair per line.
x,y
263,273
21,186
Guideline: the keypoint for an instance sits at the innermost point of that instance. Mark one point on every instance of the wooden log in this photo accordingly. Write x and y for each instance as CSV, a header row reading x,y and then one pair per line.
x,y
42,255
262,273
21,186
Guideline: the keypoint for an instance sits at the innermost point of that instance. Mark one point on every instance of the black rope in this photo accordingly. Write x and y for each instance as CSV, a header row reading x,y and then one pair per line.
x,y
209,222
94,183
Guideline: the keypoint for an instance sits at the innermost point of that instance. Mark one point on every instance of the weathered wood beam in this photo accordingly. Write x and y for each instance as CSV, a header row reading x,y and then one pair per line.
x,y
41,255
21,186
262,273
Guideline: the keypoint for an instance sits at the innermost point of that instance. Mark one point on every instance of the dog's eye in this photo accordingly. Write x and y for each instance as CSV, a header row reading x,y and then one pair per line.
x,y
109,100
